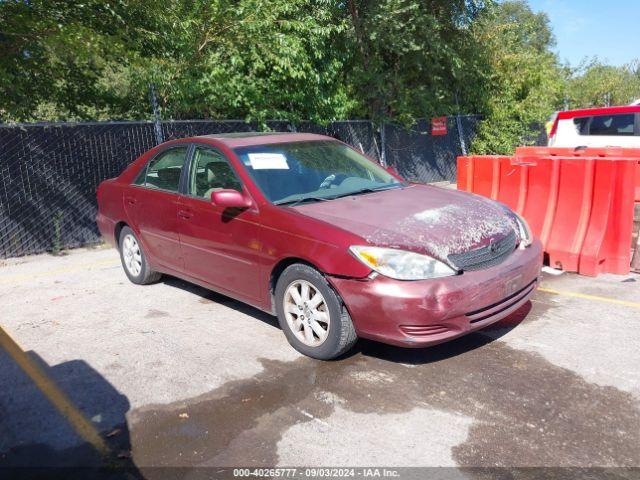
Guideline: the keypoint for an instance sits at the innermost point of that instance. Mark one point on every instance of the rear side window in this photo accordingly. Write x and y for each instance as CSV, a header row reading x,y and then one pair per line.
x,y
163,172
616,125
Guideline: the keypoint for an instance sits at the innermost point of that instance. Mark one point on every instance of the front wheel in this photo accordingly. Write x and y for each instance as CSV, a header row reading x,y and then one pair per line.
x,y
311,314
133,259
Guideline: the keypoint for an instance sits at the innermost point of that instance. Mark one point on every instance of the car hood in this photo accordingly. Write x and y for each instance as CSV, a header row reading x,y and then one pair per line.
x,y
420,218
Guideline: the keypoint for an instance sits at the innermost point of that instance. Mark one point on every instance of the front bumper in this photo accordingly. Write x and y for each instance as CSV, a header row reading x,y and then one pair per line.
x,y
428,312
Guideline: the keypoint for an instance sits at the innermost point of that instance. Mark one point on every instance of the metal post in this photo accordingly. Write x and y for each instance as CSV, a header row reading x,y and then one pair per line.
x,y
383,145
463,145
156,114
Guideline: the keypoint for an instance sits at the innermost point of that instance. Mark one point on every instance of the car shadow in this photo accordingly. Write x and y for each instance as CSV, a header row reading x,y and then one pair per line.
x,y
209,296
371,348
47,416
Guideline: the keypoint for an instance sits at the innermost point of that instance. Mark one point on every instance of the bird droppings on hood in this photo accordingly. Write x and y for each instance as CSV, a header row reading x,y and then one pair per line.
x,y
432,215
468,224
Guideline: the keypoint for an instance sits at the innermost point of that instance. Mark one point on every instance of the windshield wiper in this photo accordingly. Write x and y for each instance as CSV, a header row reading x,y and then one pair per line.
x,y
293,203
370,190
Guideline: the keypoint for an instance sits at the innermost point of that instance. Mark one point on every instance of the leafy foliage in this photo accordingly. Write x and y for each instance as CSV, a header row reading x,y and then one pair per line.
x,y
247,59
412,57
254,59
251,59
597,84
320,60
527,81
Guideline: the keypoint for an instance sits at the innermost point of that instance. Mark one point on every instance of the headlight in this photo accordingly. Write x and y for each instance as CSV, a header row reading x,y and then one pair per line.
x,y
524,231
400,264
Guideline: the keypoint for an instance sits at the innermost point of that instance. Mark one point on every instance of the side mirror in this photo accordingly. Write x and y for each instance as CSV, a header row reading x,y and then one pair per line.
x,y
230,199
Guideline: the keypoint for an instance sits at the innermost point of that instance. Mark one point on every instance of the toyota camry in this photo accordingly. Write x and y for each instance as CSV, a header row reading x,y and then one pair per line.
x,y
308,229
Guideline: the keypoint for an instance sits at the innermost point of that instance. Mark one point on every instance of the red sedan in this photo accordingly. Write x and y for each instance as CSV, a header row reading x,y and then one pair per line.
x,y
308,229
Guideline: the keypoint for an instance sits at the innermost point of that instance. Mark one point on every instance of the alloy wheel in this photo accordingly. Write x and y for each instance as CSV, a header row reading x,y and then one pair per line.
x,y
306,313
132,255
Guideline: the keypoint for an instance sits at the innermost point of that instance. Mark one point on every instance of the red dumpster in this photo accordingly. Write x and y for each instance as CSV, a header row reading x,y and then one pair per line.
x,y
579,203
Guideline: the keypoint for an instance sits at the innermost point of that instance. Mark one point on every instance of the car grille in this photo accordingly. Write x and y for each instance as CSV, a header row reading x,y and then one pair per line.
x,y
485,257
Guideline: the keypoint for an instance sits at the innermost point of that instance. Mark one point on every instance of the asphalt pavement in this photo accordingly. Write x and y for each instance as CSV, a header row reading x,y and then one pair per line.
x,y
95,369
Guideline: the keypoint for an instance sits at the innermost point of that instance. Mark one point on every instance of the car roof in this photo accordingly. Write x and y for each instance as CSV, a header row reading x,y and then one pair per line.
x,y
244,139
598,111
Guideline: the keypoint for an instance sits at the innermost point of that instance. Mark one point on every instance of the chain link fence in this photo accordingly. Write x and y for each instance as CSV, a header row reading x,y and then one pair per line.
x,y
48,180
421,157
49,172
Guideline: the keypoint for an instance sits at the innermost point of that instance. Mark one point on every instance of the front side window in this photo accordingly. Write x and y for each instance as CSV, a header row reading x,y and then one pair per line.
x,y
163,172
211,171
312,171
617,125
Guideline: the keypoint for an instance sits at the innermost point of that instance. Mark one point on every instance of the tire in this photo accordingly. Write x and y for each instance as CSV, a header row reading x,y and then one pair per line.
x,y
141,274
340,335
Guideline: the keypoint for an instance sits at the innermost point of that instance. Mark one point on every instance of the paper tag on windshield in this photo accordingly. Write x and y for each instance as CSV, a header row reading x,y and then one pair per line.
x,y
268,161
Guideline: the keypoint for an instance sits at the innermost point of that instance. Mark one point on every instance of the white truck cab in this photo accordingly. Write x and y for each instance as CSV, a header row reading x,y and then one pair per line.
x,y
597,127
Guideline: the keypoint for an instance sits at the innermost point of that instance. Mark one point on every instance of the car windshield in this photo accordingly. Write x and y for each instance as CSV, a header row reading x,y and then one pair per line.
x,y
291,173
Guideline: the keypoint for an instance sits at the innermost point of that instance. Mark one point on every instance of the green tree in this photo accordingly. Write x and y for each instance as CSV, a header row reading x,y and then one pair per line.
x,y
248,59
413,57
527,81
66,59
253,59
595,84
386,60
257,59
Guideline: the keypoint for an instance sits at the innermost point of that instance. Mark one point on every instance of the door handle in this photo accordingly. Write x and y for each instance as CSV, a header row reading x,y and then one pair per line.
x,y
184,214
131,200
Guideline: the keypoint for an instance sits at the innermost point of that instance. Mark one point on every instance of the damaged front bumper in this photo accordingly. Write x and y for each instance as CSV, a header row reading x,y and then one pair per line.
x,y
427,312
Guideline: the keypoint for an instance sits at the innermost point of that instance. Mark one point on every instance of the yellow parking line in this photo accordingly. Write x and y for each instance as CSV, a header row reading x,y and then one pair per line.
x,y
590,297
48,273
60,401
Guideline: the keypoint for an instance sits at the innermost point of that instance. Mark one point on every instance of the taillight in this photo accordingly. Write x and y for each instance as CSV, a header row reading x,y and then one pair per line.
x,y
554,128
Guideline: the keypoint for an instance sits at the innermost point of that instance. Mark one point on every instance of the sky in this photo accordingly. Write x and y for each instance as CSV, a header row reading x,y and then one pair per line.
x,y
586,28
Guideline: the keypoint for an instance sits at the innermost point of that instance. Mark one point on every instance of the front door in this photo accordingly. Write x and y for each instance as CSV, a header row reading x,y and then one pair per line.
x,y
220,246
152,206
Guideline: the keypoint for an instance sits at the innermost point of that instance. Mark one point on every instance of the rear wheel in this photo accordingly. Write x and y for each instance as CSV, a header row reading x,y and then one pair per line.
x,y
311,315
133,259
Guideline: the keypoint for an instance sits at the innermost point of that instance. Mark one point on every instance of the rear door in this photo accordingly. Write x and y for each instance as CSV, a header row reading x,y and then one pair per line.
x,y
151,204
220,246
